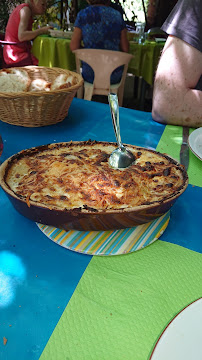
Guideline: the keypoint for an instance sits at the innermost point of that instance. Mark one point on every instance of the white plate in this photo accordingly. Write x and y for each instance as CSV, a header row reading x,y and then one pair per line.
x,y
195,142
61,34
160,40
182,338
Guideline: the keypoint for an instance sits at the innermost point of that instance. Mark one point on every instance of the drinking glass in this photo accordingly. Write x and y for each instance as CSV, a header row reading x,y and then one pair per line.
x,y
140,30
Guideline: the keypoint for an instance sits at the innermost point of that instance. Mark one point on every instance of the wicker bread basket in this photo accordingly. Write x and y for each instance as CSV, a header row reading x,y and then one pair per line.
x,y
40,108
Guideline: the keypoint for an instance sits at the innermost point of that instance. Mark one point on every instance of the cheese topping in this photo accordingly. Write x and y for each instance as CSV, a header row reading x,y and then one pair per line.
x,y
78,175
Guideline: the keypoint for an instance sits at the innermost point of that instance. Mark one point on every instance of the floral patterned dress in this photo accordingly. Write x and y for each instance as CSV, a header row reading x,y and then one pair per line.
x,y
101,28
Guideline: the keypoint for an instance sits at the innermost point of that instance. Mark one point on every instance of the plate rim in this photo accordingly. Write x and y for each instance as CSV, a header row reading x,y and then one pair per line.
x,y
158,40
189,143
170,322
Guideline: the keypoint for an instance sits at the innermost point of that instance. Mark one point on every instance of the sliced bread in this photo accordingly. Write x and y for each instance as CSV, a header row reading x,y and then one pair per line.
x,y
14,80
39,85
63,81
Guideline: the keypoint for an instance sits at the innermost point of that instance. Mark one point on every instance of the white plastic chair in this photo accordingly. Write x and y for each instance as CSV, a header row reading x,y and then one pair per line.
x,y
103,63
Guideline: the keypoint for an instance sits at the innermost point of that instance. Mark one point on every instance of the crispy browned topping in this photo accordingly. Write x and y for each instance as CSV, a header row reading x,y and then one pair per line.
x,y
78,175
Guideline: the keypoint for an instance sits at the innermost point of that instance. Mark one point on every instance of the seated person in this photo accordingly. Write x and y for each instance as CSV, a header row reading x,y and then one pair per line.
x,y
177,97
19,29
100,26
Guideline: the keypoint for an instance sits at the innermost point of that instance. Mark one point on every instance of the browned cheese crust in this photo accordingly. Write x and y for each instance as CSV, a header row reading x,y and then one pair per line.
x,y
78,175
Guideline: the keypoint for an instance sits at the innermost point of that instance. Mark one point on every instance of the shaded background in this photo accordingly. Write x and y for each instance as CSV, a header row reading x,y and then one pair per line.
x,y
154,13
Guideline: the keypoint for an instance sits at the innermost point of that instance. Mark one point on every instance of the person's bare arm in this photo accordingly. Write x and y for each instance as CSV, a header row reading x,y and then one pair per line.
x,y
76,39
175,100
124,43
23,33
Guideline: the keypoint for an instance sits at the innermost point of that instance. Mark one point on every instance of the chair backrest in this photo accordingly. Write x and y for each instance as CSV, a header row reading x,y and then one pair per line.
x,y
103,63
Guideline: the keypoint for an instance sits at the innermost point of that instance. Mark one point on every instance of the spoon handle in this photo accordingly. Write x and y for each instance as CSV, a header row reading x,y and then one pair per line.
x,y
114,107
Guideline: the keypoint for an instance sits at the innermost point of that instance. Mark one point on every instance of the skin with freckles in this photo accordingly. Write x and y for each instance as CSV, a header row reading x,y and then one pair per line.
x,y
175,99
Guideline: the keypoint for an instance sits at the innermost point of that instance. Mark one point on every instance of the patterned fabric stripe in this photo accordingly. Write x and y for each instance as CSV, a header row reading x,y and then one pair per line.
x,y
109,242
153,232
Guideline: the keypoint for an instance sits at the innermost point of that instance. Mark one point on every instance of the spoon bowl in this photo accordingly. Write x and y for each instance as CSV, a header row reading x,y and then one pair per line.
x,y
121,157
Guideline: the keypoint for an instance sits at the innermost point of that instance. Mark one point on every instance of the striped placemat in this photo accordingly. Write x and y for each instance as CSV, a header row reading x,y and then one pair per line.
x,y
111,242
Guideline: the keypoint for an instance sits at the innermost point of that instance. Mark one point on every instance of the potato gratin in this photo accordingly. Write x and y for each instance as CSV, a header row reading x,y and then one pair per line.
x,y
77,175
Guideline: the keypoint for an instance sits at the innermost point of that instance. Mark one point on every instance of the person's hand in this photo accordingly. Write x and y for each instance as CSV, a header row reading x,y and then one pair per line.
x,y
45,29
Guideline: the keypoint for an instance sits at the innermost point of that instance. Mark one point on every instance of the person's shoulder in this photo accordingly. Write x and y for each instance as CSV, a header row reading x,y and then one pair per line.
x,y
114,12
24,8
83,13
85,10
117,7
184,22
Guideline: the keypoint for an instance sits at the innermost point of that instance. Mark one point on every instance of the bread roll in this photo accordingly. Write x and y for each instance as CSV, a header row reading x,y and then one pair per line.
x,y
14,80
63,81
39,85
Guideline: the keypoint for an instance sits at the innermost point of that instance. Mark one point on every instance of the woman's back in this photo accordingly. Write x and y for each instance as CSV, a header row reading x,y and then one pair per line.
x,y
101,28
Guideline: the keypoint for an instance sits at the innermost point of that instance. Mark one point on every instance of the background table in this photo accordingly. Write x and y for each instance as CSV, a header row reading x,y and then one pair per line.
x,y
53,51
143,66
57,304
145,61
56,52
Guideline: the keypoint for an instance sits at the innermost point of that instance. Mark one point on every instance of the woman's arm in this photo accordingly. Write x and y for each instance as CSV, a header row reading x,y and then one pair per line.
x,y
76,39
23,33
124,43
175,100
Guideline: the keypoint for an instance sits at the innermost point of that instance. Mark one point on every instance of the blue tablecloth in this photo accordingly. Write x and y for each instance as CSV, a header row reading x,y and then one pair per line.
x,y
37,277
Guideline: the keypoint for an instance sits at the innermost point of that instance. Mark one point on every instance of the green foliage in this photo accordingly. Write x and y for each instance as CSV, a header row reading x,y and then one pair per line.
x,y
133,12
7,7
134,9
52,15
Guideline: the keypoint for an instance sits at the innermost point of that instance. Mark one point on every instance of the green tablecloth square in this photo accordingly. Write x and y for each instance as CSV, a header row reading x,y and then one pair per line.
x,y
170,143
117,296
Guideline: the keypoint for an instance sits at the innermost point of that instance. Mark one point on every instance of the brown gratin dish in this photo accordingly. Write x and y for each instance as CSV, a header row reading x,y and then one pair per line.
x,y
71,185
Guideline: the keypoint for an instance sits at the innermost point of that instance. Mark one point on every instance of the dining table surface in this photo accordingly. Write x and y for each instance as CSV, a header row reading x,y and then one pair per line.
x,y
55,51
59,303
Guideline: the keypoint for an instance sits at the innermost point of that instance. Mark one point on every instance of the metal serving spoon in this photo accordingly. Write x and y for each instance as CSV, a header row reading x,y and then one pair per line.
x,y
120,157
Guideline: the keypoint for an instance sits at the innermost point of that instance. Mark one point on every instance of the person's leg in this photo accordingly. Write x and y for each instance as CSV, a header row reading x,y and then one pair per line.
x,y
29,60
25,62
